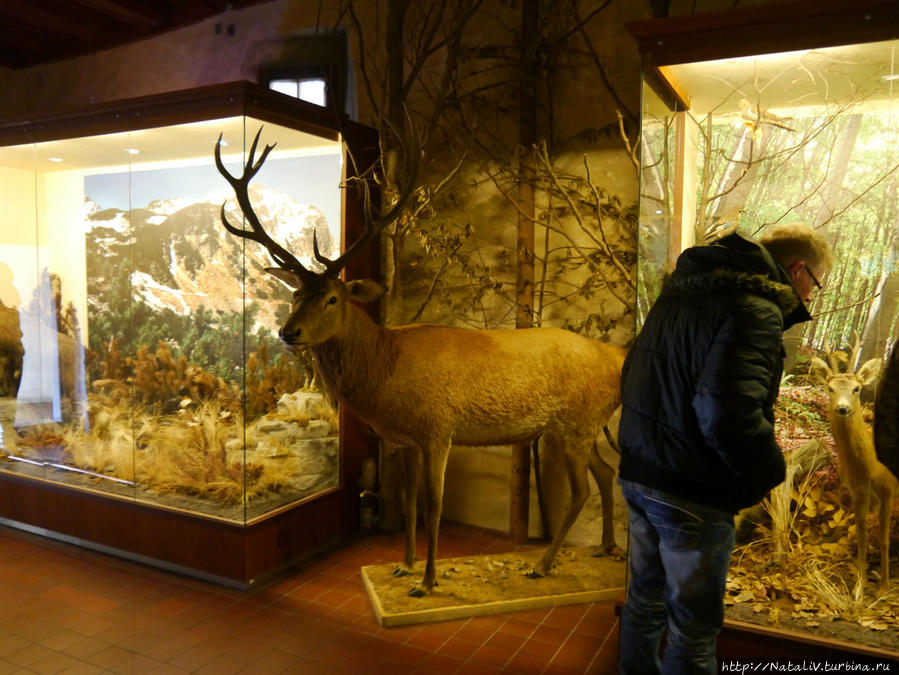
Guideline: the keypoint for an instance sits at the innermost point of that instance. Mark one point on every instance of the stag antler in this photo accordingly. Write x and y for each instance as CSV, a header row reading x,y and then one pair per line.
x,y
373,224
832,366
280,255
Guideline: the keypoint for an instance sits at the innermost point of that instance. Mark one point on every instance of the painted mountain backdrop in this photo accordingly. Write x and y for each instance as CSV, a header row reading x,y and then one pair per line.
x,y
170,270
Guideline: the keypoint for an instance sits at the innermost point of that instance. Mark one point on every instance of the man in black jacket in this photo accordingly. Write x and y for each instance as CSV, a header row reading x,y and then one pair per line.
x,y
886,414
697,432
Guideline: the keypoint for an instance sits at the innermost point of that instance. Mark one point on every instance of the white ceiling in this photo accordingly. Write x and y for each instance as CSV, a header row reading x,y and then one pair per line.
x,y
192,143
818,78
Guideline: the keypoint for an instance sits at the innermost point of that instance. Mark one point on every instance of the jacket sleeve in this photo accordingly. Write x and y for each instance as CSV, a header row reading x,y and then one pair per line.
x,y
886,415
734,394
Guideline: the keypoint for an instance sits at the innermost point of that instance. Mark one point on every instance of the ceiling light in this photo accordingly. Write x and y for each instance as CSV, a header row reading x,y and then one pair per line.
x,y
133,151
55,159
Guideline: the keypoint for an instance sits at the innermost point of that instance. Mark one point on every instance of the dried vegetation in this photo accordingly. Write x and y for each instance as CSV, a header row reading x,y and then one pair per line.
x,y
174,428
799,567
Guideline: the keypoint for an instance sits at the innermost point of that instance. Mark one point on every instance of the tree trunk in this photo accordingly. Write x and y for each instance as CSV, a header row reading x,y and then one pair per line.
x,y
840,164
393,163
883,304
524,296
392,469
830,198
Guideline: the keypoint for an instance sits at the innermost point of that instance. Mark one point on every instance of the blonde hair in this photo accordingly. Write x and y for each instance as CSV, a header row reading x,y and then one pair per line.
x,y
793,242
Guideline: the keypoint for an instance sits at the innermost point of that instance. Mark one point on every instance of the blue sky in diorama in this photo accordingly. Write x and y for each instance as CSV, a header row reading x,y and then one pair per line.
x,y
312,180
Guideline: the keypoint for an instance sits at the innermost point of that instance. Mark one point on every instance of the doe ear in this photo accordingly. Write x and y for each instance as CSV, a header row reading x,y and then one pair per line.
x,y
364,290
869,372
290,278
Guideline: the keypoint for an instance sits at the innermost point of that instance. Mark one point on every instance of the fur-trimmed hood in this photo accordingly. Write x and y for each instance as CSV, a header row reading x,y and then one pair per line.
x,y
736,264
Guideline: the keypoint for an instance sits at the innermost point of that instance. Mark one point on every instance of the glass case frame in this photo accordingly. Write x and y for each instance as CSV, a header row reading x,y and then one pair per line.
x,y
747,50
91,412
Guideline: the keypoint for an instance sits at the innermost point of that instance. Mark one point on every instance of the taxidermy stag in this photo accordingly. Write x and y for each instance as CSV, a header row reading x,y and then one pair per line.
x,y
860,471
424,387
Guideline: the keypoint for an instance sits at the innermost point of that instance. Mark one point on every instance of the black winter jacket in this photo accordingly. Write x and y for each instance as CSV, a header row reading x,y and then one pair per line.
x,y
699,384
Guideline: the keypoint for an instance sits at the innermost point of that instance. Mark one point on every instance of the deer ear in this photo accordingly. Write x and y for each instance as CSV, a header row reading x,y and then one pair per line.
x,y
364,290
869,372
290,278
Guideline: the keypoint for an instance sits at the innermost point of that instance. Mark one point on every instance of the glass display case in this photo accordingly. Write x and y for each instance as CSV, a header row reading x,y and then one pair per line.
x,y
138,346
734,140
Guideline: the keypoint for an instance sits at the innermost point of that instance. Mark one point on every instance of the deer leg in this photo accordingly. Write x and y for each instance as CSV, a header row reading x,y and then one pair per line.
x,y
604,476
410,457
861,503
434,461
576,467
886,513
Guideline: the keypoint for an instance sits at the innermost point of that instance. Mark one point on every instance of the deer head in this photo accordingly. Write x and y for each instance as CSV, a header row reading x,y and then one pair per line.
x,y
320,301
845,387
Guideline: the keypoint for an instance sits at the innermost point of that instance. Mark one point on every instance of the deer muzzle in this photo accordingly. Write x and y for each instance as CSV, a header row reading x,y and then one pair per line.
x,y
289,336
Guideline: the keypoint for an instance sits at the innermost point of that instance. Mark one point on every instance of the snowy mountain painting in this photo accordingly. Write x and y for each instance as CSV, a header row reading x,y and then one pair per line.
x,y
159,260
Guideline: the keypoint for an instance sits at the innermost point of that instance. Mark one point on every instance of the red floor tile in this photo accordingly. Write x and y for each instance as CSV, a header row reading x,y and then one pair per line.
x,y
69,610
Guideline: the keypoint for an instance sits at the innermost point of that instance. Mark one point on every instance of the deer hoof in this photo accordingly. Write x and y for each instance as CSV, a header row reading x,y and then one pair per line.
x,y
534,574
612,551
401,572
417,592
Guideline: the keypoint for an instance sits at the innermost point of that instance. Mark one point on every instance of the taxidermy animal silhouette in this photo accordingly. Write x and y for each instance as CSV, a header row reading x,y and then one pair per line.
x,y
860,471
424,387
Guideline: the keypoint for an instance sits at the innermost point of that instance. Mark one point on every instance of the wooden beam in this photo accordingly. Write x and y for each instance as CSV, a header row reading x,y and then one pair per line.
x,y
769,28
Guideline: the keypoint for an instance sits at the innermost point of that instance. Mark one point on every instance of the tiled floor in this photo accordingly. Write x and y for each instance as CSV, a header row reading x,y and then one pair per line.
x,y
68,610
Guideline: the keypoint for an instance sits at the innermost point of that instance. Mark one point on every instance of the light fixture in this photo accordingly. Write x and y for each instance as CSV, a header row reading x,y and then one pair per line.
x,y
132,151
54,159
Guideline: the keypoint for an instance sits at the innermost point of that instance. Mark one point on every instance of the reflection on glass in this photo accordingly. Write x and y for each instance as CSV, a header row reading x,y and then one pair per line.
x,y
741,144
138,341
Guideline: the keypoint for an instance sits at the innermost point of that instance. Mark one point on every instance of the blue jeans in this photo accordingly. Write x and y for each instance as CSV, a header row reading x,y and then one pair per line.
x,y
678,557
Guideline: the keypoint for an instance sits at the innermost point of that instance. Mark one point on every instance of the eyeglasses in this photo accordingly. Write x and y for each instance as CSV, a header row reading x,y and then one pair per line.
x,y
812,276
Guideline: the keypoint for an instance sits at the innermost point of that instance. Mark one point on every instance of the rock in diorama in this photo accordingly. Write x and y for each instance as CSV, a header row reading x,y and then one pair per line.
x,y
424,387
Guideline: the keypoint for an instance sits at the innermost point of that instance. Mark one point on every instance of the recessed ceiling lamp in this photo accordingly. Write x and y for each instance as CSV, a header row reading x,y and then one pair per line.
x,y
132,151
54,159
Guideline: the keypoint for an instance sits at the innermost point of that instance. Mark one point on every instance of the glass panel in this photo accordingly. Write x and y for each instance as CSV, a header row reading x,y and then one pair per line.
x,y
26,391
291,429
805,136
656,239
149,361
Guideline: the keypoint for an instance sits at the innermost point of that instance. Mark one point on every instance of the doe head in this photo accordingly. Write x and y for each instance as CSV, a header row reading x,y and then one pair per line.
x,y
845,389
320,305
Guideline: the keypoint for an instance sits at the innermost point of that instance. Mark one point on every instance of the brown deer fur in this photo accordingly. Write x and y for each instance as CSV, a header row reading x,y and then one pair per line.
x,y
426,387
860,471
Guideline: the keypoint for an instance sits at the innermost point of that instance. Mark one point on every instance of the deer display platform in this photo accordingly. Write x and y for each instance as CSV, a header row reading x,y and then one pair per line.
x,y
425,387
860,471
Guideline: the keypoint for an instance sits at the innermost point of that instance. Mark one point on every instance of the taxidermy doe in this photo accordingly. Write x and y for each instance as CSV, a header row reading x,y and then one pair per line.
x,y
860,471
424,387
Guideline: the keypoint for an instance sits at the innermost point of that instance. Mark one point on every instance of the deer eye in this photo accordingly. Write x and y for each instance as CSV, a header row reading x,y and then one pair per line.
x,y
332,300
855,389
